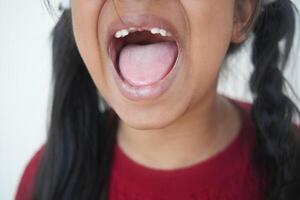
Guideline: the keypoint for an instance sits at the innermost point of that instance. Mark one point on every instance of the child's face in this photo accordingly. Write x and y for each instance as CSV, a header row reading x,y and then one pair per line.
x,y
204,31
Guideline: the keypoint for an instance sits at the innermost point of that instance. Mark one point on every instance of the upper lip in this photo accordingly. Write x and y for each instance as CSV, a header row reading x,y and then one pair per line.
x,y
143,22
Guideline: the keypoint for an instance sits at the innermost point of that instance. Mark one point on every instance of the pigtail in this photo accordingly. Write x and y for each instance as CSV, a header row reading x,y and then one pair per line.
x,y
77,156
272,111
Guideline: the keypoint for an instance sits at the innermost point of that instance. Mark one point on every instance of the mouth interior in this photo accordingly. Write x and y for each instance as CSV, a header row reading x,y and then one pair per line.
x,y
142,58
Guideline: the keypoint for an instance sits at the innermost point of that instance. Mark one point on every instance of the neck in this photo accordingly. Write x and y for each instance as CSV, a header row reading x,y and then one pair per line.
x,y
202,131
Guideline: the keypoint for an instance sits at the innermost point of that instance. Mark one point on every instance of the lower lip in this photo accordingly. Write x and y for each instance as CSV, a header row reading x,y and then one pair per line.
x,y
147,92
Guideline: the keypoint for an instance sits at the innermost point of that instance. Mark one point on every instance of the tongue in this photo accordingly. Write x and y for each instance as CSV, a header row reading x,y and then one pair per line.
x,y
146,64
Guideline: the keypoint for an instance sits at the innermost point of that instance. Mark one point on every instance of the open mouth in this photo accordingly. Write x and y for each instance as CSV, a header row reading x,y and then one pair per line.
x,y
143,57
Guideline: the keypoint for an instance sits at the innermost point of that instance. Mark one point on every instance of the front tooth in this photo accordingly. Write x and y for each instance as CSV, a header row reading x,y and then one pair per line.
x,y
118,34
125,32
155,30
122,33
163,32
160,31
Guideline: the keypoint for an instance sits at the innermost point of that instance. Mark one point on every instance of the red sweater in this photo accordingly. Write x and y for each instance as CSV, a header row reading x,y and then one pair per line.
x,y
229,175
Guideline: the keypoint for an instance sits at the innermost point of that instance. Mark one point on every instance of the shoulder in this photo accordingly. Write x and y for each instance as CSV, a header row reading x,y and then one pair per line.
x,y
26,184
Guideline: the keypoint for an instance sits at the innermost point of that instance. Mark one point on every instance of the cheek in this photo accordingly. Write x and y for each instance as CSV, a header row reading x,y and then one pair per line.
x,y
211,24
85,15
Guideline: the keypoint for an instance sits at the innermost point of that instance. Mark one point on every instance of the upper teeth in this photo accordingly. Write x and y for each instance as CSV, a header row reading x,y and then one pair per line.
x,y
124,32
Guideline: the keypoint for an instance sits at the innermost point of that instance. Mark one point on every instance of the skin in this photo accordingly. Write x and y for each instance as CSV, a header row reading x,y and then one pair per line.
x,y
190,122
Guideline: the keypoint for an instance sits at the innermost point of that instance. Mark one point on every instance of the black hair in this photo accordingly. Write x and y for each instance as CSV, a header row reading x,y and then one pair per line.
x,y
273,111
77,156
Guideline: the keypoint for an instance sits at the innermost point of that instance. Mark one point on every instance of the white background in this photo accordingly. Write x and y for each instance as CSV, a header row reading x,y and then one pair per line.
x,y
25,72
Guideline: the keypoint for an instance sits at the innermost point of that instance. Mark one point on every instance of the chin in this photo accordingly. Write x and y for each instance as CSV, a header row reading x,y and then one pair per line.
x,y
149,119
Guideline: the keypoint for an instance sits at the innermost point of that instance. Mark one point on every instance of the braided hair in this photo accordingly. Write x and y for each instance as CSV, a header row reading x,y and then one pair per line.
x,y
272,112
